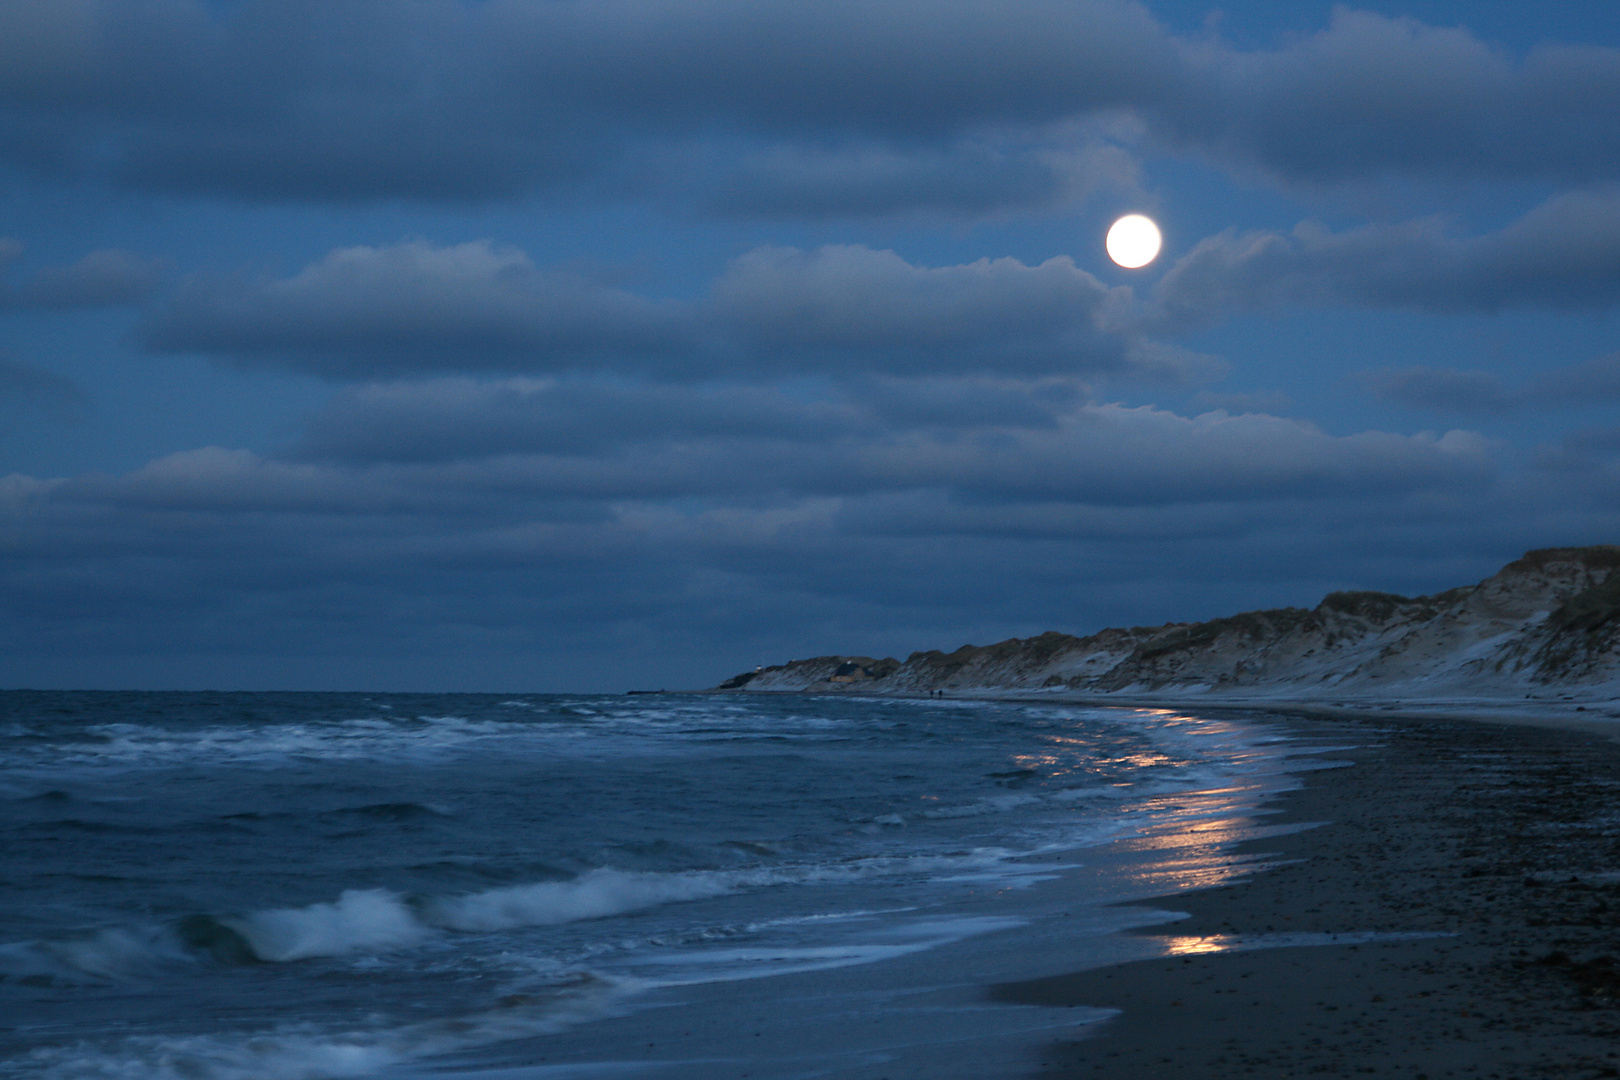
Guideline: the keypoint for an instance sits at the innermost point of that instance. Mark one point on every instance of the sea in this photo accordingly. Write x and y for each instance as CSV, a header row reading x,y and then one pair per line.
x,y
302,886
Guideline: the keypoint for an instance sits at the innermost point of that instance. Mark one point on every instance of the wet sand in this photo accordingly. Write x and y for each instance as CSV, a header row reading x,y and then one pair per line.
x,y
1506,838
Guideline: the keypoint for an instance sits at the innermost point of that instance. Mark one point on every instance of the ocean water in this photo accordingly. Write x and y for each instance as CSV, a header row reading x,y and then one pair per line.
x,y
306,886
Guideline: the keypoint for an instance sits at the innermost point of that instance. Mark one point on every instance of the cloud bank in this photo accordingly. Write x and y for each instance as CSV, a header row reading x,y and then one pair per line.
x,y
683,514
1564,254
107,278
377,312
900,105
1594,382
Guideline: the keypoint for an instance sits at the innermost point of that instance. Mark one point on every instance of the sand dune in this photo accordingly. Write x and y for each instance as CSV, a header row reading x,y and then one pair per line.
x,y
1545,626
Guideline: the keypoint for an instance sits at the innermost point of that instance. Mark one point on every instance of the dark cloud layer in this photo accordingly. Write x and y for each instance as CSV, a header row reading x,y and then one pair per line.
x,y
1595,382
379,312
25,386
681,524
1372,97
1563,254
676,522
443,100
105,278
456,419
1035,443
990,175
855,302
365,310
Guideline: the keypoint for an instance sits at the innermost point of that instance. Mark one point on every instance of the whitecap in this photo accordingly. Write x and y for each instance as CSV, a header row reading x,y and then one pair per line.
x,y
593,895
360,920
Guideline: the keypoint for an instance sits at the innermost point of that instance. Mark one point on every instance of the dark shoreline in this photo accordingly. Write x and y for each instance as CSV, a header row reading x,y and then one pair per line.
x,y
1505,836
1593,716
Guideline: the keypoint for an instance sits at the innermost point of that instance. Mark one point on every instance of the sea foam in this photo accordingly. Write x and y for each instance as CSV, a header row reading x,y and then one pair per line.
x,y
593,895
378,920
108,954
374,921
360,920
304,1052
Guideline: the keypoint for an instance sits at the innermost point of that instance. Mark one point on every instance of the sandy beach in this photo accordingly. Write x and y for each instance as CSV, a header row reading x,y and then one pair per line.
x,y
1504,838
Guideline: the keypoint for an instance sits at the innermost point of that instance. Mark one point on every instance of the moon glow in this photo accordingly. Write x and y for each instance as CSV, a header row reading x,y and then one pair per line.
x,y
1134,241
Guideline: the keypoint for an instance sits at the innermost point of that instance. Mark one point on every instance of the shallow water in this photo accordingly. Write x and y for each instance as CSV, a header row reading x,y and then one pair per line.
x,y
303,886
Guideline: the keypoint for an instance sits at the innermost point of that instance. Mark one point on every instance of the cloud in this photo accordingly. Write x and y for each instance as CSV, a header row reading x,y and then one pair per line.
x,y
368,311
25,386
954,106
709,521
1267,401
1371,97
1006,442
737,460
1595,380
842,304
450,101
106,278
215,479
947,404
1563,254
379,312
1586,446
896,67
265,100
1121,456
458,419
1440,389
966,178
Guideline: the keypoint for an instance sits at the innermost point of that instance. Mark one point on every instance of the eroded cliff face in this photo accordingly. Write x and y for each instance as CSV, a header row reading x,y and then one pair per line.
x,y
1548,620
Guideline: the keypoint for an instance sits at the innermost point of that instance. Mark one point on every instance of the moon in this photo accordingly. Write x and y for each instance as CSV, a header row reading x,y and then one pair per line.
x,y
1133,241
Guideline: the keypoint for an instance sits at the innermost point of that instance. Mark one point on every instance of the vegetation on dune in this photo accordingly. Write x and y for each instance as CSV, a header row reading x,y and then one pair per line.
x,y
1249,625
1587,611
1365,632
1375,606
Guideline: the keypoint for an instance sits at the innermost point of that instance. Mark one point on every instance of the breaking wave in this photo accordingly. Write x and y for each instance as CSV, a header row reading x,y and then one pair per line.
x,y
360,920
594,895
109,954
372,921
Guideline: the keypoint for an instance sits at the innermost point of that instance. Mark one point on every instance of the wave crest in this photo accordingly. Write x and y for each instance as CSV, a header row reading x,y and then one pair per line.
x,y
593,895
360,920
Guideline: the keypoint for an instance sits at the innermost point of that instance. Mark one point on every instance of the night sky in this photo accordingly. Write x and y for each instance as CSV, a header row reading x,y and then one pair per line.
x,y
527,345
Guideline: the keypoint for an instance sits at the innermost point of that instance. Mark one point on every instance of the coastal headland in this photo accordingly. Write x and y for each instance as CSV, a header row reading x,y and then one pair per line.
x,y
1546,628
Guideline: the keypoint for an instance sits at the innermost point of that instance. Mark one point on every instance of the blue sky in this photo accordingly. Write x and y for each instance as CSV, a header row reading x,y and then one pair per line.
x,y
563,345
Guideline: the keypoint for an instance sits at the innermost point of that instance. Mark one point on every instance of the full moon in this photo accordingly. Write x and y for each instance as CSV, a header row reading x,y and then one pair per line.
x,y
1133,241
